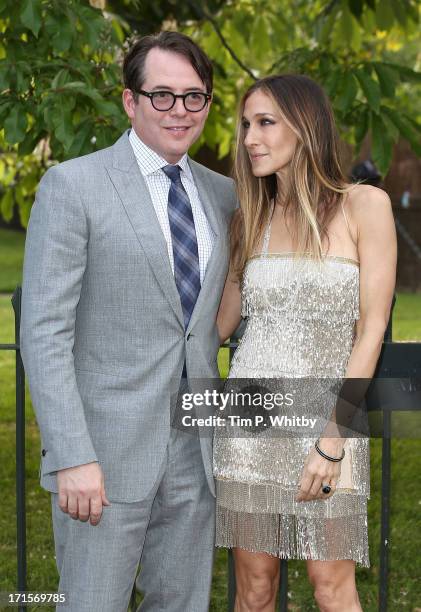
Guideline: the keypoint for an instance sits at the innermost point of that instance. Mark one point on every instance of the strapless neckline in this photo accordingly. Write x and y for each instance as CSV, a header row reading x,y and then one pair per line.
x,y
292,254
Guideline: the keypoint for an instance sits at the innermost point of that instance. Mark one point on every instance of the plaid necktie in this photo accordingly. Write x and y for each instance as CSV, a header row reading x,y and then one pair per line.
x,y
184,243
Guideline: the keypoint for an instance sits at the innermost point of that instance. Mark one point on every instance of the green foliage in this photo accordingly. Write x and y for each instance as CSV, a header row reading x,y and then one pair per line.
x,y
60,90
30,15
348,46
60,83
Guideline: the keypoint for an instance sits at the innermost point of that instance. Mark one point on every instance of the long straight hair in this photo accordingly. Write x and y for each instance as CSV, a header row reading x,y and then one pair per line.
x,y
316,183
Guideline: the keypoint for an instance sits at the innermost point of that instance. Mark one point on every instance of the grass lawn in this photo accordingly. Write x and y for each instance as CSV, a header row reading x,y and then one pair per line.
x,y
405,563
11,258
407,317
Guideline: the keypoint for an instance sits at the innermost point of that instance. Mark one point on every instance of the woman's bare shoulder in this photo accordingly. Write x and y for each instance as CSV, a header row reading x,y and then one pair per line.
x,y
367,196
366,202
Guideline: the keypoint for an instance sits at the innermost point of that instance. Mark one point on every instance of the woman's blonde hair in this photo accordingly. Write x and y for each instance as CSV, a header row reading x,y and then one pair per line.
x,y
317,183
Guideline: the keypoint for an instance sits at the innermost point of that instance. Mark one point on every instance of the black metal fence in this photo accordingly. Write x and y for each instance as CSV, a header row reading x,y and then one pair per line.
x,y
20,447
397,360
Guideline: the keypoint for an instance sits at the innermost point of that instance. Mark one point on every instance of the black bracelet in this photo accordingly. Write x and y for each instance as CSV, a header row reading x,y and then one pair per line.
x,y
318,449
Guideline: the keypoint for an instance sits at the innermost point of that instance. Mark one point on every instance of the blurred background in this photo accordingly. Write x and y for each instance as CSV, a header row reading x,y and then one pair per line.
x,y
60,87
60,97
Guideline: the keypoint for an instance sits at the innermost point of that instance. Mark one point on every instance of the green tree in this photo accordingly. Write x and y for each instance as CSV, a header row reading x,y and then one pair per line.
x,y
60,89
60,84
348,46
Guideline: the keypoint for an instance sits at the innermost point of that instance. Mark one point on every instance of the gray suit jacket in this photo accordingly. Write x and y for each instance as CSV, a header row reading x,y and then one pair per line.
x,y
102,332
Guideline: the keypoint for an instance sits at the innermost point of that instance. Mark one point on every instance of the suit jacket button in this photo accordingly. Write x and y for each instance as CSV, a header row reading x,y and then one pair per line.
x,y
43,452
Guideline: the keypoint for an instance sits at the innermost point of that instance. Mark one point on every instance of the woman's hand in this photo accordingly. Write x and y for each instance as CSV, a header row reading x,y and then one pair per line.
x,y
318,472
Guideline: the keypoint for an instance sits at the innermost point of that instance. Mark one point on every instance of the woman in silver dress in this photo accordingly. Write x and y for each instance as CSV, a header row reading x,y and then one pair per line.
x,y
313,271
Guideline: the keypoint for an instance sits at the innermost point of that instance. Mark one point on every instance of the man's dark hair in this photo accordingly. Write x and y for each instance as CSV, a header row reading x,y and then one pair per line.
x,y
175,42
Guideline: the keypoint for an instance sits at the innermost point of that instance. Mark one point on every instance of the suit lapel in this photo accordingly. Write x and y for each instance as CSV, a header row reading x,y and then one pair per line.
x,y
134,195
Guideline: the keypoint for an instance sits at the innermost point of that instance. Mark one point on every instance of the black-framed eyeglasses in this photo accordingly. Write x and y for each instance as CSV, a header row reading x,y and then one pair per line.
x,y
194,101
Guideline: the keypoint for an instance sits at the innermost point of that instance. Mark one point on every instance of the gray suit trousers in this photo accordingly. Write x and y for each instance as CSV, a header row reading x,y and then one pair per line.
x,y
170,532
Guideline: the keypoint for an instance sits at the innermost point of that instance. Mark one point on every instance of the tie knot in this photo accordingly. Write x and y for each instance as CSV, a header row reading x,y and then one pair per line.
x,y
173,172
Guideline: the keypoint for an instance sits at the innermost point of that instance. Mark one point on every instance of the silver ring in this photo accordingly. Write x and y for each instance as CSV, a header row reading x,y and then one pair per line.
x,y
326,489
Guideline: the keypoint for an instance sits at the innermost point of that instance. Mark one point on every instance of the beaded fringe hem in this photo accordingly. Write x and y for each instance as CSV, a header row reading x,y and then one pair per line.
x,y
273,498
294,537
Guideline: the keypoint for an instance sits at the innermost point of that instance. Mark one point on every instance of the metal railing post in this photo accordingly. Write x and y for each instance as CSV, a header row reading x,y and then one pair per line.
x,y
20,451
385,490
283,586
232,587
385,511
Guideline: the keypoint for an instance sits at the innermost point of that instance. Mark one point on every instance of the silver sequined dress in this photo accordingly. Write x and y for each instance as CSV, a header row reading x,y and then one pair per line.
x,y
300,323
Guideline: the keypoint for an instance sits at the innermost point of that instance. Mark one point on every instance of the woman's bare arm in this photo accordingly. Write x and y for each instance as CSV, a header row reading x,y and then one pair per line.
x,y
377,251
229,313
375,234
372,220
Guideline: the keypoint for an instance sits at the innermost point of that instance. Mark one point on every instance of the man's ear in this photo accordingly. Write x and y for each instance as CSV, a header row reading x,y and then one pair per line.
x,y
129,103
208,106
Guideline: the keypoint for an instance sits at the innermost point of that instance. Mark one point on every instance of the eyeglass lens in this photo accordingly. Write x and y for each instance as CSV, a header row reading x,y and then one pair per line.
x,y
164,100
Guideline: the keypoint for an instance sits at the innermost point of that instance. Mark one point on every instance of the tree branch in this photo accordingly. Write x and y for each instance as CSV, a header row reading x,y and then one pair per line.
x,y
328,9
202,13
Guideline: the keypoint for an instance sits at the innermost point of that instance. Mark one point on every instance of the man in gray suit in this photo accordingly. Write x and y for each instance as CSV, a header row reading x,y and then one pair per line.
x,y
125,261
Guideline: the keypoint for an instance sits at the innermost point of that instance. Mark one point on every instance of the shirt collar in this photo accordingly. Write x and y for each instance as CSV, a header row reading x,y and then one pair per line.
x,y
149,161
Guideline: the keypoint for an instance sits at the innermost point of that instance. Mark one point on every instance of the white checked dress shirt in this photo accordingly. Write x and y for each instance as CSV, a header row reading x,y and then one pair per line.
x,y
150,165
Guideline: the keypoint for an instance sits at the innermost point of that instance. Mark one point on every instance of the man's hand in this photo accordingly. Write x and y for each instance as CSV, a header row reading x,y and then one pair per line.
x,y
81,492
